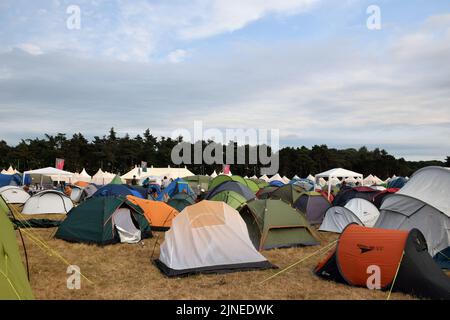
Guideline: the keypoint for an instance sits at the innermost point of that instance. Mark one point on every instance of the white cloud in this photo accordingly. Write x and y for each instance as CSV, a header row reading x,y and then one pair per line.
x,y
30,48
177,56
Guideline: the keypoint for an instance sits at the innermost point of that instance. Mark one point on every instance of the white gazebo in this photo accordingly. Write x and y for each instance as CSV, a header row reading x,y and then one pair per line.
x,y
53,173
336,173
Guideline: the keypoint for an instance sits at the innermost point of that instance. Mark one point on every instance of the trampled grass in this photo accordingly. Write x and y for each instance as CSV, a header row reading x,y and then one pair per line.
x,y
125,271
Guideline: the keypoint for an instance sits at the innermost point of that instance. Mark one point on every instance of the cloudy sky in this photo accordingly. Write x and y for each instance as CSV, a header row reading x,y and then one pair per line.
x,y
310,68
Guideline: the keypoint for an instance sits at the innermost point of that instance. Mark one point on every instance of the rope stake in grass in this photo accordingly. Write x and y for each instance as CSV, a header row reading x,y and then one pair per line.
x,y
43,245
395,277
300,261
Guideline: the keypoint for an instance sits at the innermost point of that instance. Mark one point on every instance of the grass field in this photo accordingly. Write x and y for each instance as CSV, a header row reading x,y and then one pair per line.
x,y
125,271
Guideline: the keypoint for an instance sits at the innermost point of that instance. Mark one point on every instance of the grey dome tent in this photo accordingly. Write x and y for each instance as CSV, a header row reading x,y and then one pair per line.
x,y
357,210
423,203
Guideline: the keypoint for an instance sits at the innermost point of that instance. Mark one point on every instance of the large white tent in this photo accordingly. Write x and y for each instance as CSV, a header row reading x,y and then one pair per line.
x,y
336,173
53,173
171,173
83,176
214,174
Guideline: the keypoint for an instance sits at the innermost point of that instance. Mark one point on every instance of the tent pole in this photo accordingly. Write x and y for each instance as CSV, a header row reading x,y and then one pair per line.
x,y
329,187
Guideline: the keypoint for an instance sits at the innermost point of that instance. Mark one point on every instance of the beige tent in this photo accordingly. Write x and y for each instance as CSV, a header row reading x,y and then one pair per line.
x,y
209,236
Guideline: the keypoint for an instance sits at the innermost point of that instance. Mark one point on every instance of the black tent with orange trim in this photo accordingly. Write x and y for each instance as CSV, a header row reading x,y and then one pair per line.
x,y
359,248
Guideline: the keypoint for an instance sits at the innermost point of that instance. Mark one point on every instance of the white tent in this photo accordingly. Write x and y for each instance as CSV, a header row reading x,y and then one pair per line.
x,y
286,180
351,180
48,202
10,171
311,177
265,178
209,236
357,210
214,174
254,177
14,195
246,177
378,181
83,176
102,177
276,177
53,173
335,174
296,177
168,172
369,180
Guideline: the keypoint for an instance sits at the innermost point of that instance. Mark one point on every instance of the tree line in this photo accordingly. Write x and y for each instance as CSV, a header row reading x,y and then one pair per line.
x,y
120,154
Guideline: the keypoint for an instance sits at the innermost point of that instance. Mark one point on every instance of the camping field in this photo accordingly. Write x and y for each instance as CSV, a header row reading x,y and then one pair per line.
x,y
125,271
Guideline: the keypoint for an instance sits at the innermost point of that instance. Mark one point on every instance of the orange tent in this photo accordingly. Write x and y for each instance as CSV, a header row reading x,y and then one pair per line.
x,y
82,184
159,214
397,259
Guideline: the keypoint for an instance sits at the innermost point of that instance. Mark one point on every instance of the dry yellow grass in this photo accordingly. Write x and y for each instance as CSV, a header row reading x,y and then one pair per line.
x,y
125,271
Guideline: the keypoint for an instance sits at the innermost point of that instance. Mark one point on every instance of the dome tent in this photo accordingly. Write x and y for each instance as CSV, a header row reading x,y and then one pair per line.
x,y
14,195
423,203
357,210
181,201
288,193
13,277
159,214
313,205
48,202
231,186
105,220
208,237
275,224
401,256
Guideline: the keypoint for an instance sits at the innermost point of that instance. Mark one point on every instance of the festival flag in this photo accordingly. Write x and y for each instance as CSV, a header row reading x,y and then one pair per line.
x,y
59,163
144,166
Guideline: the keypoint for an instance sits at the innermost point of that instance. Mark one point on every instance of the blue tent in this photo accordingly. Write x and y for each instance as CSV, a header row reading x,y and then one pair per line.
x,y
11,180
398,183
117,190
155,192
306,184
178,186
276,183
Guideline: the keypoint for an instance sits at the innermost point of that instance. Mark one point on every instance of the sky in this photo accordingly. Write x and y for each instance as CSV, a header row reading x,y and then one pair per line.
x,y
310,68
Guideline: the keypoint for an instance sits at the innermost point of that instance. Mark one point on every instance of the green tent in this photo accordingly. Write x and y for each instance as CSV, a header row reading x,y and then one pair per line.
x,y
252,185
92,221
223,178
196,181
288,193
260,183
4,207
116,180
275,224
181,201
232,198
13,278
